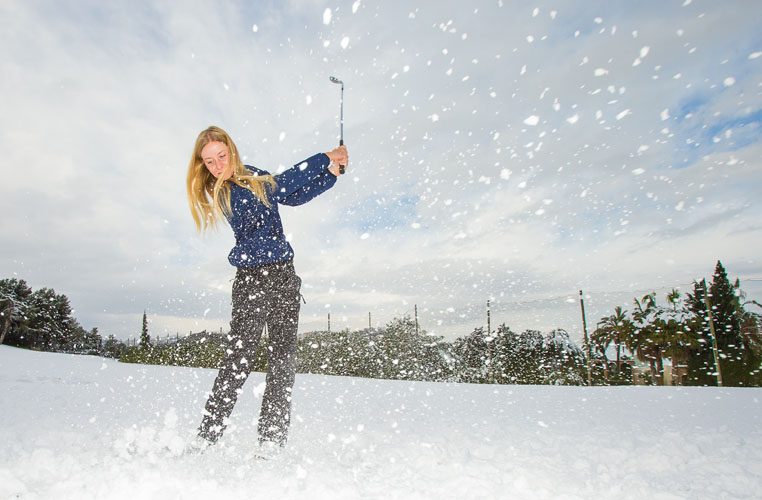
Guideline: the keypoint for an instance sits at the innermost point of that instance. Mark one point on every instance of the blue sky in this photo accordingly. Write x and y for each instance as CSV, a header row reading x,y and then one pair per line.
x,y
500,151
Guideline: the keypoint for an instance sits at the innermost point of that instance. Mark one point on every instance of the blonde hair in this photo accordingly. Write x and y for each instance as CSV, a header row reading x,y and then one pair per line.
x,y
209,197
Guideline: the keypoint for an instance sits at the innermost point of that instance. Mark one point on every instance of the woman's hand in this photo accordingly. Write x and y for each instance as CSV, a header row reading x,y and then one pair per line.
x,y
338,156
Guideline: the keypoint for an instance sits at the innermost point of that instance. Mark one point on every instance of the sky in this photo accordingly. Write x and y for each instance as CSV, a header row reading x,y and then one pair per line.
x,y
501,151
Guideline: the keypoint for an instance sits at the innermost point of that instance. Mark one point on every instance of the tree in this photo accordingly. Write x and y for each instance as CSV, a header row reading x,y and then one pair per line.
x,y
49,324
678,335
113,348
145,339
563,360
338,353
751,322
407,355
90,341
471,357
529,347
506,365
739,356
42,320
648,340
600,341
7,307
616,328
14,303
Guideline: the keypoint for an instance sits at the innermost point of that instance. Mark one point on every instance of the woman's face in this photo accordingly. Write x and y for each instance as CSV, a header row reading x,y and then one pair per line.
x,y
216,158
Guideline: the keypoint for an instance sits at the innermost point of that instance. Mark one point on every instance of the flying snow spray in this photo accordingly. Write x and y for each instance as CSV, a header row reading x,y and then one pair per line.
x,y
341,117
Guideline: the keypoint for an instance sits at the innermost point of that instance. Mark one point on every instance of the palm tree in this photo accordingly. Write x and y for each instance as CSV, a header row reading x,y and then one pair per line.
x,y
751,333
680,339
649,337
750,321
617,328
601,340
673,297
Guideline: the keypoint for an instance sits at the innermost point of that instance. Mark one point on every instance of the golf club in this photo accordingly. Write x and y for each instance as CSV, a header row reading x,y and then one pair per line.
x,y
341,117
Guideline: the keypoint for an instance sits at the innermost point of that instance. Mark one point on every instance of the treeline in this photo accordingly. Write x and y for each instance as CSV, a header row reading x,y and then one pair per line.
x,y
680,334
704,346
399,352
203,350
42,320
709,337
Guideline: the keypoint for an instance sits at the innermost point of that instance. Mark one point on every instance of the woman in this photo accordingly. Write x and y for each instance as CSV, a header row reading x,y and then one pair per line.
x,y
266,287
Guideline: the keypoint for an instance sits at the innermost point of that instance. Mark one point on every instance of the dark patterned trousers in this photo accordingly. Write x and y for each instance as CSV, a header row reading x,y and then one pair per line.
x,y
265,295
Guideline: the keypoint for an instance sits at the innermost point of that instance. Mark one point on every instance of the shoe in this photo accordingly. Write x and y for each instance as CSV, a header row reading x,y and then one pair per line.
x,y
198,446
268,450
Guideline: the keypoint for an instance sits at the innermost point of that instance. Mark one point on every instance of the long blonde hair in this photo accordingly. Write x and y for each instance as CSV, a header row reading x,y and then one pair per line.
x,y
209,197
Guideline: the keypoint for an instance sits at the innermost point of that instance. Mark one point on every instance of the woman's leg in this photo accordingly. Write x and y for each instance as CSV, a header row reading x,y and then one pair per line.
x,y
249,311
282,323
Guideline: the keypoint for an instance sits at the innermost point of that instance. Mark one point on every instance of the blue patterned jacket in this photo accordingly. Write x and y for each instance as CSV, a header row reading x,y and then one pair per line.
x,y
258,228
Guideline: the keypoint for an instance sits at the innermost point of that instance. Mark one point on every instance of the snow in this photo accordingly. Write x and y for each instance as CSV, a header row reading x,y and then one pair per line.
x,y
84,427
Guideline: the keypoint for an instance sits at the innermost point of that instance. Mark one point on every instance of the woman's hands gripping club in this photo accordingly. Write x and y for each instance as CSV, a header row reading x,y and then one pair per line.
x,y
339,158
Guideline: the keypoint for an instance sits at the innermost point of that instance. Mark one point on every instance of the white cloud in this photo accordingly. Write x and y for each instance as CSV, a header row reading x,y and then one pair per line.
x,y
106,104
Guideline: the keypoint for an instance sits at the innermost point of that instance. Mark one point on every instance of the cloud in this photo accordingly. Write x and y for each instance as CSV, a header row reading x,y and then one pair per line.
x,y
565,139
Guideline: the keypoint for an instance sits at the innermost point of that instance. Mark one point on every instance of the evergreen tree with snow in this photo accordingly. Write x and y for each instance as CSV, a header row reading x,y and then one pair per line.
x,y
113,348
145,339
472,357
530,350
15,295
404,353
564,361
506,365
50,324
739,357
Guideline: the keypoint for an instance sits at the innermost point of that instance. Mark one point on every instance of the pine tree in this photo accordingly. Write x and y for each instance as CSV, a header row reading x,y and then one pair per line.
x,y
738,362
14,302
145,339
472,357
50,325
113,348
505,364
564,361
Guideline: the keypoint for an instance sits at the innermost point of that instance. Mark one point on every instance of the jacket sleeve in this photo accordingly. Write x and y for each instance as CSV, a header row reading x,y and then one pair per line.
x,y
304,181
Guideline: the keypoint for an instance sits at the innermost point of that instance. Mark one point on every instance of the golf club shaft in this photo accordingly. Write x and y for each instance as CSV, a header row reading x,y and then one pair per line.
x,y
342,168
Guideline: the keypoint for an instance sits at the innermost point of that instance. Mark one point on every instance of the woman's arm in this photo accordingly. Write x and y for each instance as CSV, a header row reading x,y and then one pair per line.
x,y
302,174
320,172
320,184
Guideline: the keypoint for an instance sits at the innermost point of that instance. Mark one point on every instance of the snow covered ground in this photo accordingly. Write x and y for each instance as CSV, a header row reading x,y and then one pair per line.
x,y
84,427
